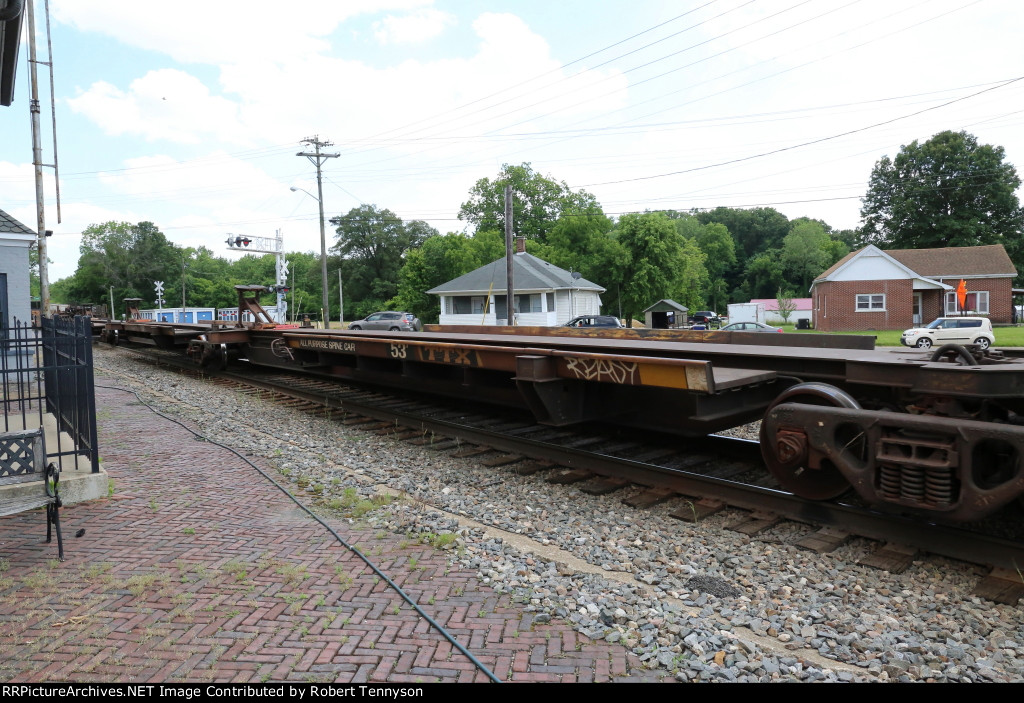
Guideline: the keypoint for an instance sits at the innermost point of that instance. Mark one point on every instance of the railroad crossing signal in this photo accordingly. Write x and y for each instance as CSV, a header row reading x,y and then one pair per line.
x,y
160,287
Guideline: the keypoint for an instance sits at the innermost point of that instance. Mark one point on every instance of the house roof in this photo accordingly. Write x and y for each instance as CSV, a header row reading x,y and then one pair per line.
x,y
529,273
945,262
990,260
667,305
772,304
9,224
11,17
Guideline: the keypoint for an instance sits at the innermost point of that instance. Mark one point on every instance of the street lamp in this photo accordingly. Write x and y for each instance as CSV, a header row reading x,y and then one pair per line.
x,y
323,255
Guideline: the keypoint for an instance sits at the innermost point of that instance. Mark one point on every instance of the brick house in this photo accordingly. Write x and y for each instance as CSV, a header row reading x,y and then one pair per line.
x,y
871,289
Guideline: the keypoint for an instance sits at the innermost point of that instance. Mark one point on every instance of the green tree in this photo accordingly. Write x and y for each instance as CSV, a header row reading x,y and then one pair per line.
x,y
786,304
440,259
763,275
805,253
661,263
947,191
537,202
373,242
129,257
754,231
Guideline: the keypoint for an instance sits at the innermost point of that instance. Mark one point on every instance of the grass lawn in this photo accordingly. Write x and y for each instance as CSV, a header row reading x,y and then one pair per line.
x,y
1005,336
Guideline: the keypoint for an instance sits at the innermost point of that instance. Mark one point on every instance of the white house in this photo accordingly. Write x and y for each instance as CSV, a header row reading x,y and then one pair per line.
x,y
15,241
545,295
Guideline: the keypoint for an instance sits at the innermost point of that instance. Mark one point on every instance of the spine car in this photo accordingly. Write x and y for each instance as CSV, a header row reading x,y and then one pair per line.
x,y
938,432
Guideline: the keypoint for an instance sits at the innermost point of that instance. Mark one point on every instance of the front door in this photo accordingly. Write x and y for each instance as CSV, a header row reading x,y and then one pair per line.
x,y
918,318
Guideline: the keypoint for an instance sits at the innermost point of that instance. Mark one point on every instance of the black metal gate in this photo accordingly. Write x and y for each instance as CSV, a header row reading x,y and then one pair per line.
x,y
49,370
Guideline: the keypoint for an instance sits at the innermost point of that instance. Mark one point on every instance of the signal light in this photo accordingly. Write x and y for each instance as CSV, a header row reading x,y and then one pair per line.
x,y
238,241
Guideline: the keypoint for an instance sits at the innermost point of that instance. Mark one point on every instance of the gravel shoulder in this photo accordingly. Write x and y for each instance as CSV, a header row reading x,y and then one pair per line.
x,y
698,600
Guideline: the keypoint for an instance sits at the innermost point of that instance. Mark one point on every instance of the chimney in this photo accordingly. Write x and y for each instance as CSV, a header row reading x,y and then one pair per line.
x,y
520,245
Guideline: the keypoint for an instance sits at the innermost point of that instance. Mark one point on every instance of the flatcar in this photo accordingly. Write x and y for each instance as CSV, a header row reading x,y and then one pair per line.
x,y
938,432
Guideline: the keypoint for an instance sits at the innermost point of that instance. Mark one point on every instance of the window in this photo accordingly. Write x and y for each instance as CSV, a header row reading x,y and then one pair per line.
x,y
526,302
467,304
977,303
870,302
551,302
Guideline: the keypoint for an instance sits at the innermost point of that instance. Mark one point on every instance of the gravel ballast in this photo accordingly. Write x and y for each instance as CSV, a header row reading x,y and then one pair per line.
x,y
698,600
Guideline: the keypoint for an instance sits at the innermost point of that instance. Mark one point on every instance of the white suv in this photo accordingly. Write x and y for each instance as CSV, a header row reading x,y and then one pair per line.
x,y
951,330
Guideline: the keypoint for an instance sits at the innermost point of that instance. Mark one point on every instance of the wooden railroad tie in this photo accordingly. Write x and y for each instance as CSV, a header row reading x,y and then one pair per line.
x,y
429,439
696,510
529,468
391,429
357,420
1002,586
471,451
650,498
443,444
894,558
755,523
605,485
573,476
825,540
503,460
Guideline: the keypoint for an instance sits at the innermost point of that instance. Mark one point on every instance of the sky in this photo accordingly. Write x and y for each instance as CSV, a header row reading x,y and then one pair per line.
x,y
193,120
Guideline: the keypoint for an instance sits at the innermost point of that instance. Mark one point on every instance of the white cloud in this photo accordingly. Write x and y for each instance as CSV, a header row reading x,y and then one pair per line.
x,y
163,104
412,29
222,31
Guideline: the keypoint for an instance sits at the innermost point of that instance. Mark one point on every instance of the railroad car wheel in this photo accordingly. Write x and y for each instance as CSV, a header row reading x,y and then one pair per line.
x,y
786,455
924,343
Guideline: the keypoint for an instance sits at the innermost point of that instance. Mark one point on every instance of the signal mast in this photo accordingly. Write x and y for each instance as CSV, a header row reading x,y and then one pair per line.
x,y
267,245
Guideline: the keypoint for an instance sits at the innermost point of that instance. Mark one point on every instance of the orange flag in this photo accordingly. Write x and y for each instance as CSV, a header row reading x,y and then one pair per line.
x,y
961,294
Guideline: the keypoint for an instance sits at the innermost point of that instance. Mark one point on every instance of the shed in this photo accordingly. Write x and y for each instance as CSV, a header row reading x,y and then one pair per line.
x,y
666,314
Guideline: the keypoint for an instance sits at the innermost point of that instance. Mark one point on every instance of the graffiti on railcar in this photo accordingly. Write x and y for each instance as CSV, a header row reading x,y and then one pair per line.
x,y
448,355
327,345
604,370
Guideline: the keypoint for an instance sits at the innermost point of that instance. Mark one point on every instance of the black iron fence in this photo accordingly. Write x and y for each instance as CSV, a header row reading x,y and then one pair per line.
x,y
46,376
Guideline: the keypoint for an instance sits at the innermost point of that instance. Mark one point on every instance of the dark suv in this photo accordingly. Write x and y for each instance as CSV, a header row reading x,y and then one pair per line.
x,y
594,321
394,321
704,317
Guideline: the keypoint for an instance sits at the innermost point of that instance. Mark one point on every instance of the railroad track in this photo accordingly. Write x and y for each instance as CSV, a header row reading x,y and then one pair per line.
x,y
704,475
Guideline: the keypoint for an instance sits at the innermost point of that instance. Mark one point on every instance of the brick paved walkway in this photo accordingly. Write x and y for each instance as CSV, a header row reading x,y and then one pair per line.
x,y
199,570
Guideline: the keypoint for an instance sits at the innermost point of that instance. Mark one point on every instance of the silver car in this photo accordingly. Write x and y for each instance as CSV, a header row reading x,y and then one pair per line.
x,y
750,327
393,321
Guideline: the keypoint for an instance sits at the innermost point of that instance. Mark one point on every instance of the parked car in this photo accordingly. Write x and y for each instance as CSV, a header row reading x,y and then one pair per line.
x,y
594,321
705,317
951,330
750,327
394,321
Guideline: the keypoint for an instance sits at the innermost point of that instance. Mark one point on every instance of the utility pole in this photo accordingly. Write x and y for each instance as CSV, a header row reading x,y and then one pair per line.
x,y
37,162
183,288
317,158
341,302
509,276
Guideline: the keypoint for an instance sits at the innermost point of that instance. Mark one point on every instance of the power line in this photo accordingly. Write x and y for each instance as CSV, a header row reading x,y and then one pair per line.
x,y
807,143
